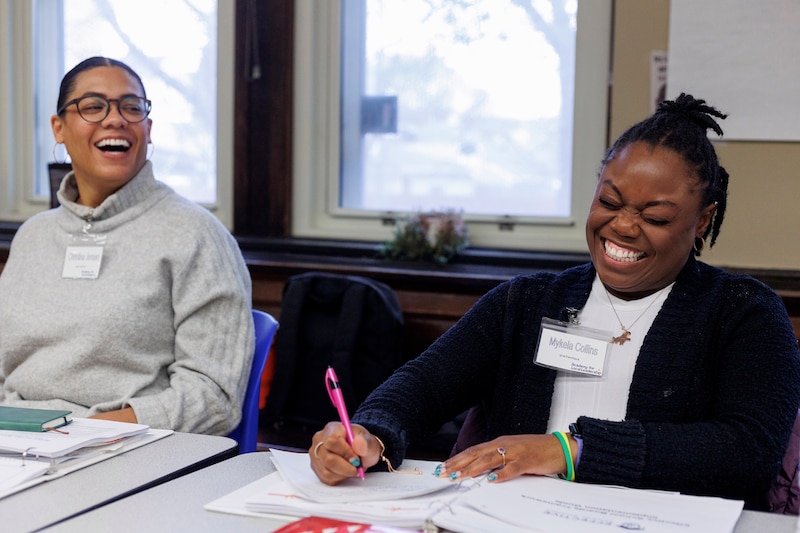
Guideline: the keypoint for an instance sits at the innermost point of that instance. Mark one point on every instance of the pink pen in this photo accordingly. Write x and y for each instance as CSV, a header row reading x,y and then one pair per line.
x,y
335,392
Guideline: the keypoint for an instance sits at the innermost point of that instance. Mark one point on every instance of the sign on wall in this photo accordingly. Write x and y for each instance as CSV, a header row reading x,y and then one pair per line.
x,y
742,57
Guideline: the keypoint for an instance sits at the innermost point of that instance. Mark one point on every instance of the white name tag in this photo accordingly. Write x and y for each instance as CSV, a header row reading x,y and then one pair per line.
x,y
82,262
572,348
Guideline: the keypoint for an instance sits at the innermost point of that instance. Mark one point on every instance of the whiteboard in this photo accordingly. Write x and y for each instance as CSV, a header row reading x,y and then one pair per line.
x,y
742,57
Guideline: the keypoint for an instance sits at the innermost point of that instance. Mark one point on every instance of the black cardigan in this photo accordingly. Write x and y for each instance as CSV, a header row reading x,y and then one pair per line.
x,y
714,394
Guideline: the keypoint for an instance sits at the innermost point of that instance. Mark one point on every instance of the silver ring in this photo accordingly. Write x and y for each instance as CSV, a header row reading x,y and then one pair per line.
x,y
316,449
502,452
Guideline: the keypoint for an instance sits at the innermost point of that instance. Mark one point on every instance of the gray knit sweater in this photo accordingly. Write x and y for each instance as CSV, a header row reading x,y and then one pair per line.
x,y
714,394
166,327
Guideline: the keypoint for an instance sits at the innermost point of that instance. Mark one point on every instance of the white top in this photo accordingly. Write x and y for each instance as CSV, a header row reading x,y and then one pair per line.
x,y
605,397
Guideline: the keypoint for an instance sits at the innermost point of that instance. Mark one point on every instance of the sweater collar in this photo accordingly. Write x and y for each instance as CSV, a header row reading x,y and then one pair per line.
x,y
137,189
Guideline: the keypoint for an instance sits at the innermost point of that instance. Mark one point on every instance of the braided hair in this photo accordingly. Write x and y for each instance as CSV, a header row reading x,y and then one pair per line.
x,y
681,126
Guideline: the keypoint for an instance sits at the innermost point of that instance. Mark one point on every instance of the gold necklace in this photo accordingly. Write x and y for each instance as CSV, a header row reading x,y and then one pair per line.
x,y
626,331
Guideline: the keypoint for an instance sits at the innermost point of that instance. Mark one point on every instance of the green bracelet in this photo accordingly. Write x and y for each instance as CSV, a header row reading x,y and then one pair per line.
x,y
562,438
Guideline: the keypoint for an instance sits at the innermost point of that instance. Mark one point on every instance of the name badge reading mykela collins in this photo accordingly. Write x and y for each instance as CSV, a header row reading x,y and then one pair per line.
x,y
84,255
572,348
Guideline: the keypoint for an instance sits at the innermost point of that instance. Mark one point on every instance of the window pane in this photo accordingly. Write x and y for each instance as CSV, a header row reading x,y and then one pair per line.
x,y
461,105
172,45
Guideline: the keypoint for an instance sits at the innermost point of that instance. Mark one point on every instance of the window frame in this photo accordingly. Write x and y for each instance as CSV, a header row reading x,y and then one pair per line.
x,y
316,136
18,101
16,111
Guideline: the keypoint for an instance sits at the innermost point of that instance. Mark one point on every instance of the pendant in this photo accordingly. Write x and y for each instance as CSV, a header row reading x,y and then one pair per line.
x,y
622,339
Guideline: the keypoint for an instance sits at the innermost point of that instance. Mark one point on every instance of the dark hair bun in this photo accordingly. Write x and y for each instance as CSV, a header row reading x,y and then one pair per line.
x,y
695,109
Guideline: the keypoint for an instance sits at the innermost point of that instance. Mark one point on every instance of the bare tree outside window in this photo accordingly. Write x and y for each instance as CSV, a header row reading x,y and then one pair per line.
x,y
172,44
463,105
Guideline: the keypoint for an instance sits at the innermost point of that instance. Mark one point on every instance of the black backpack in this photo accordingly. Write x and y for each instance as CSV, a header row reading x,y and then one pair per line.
x,y
351,323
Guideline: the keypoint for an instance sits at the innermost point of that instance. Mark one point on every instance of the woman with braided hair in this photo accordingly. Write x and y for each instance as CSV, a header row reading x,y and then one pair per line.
x,y
645,368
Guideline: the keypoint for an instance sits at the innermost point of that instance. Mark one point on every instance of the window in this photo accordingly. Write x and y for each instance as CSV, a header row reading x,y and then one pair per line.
x,y
188,79
496,109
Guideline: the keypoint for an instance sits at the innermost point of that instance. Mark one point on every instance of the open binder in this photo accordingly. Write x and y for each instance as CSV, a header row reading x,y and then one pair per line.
x,y
28,458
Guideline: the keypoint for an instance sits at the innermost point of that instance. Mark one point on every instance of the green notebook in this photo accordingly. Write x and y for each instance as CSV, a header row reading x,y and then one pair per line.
x,y
24,419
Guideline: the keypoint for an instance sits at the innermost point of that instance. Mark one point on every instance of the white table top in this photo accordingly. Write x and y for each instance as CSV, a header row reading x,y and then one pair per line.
x,y
96,485
178,505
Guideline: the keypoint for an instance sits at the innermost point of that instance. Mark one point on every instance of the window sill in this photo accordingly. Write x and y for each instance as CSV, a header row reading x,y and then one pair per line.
x,y
473,272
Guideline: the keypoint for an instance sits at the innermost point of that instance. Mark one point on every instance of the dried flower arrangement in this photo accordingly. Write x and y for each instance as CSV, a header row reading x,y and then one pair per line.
x,y
434,236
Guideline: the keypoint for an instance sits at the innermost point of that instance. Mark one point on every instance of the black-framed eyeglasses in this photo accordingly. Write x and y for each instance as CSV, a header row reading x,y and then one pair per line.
x,y
93,108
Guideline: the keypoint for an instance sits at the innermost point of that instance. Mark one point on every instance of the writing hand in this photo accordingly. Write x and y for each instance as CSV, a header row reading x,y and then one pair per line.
x,y
333,460
524,454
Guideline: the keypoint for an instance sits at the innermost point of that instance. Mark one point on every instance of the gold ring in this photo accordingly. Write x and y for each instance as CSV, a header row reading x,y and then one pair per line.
x,y
502,452
316,449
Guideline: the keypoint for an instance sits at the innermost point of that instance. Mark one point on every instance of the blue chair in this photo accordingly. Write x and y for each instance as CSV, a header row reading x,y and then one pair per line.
x,y
246,433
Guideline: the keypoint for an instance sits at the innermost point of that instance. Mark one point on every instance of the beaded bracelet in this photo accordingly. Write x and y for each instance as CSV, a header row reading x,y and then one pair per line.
x,y
562,439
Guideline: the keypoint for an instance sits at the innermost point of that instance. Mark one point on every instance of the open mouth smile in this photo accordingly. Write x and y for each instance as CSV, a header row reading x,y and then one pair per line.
x,y
114,145
622,255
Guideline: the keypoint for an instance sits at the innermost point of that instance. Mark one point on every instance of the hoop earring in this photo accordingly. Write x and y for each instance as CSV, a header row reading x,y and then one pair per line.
x,y
55,156
150,150
699,244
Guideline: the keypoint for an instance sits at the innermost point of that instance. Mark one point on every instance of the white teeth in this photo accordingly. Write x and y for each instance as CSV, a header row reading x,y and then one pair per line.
x,y
618,254
113,142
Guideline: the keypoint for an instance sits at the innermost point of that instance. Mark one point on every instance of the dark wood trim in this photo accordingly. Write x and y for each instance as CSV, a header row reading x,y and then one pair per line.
x,y
263,117
474,272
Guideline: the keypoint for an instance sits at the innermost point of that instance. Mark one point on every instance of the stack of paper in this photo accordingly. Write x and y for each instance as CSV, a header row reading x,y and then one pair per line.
x,y
535,503
270,497
79,434
524,504
28,457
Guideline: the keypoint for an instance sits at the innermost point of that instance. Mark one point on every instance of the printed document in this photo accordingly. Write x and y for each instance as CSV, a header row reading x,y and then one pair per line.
x,y
524,504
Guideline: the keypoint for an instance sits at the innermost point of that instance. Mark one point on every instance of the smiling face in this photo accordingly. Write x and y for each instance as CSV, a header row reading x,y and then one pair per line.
x,y
644,218
107,154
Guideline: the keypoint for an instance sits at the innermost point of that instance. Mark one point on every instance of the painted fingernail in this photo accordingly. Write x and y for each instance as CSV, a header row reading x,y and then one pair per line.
x,y
492,477
438,470
453,476
355,462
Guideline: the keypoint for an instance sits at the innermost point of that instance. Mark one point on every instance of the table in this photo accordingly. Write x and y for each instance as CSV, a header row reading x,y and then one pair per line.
x,y
178,506
110,480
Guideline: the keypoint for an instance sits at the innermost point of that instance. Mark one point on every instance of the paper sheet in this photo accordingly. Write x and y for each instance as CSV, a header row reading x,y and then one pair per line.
x,y
295,468
275,496
556,505
524,504
14,472
80,433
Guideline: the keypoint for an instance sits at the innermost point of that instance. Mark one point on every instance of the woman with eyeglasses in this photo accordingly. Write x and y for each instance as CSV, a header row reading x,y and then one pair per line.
x,y
127,302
